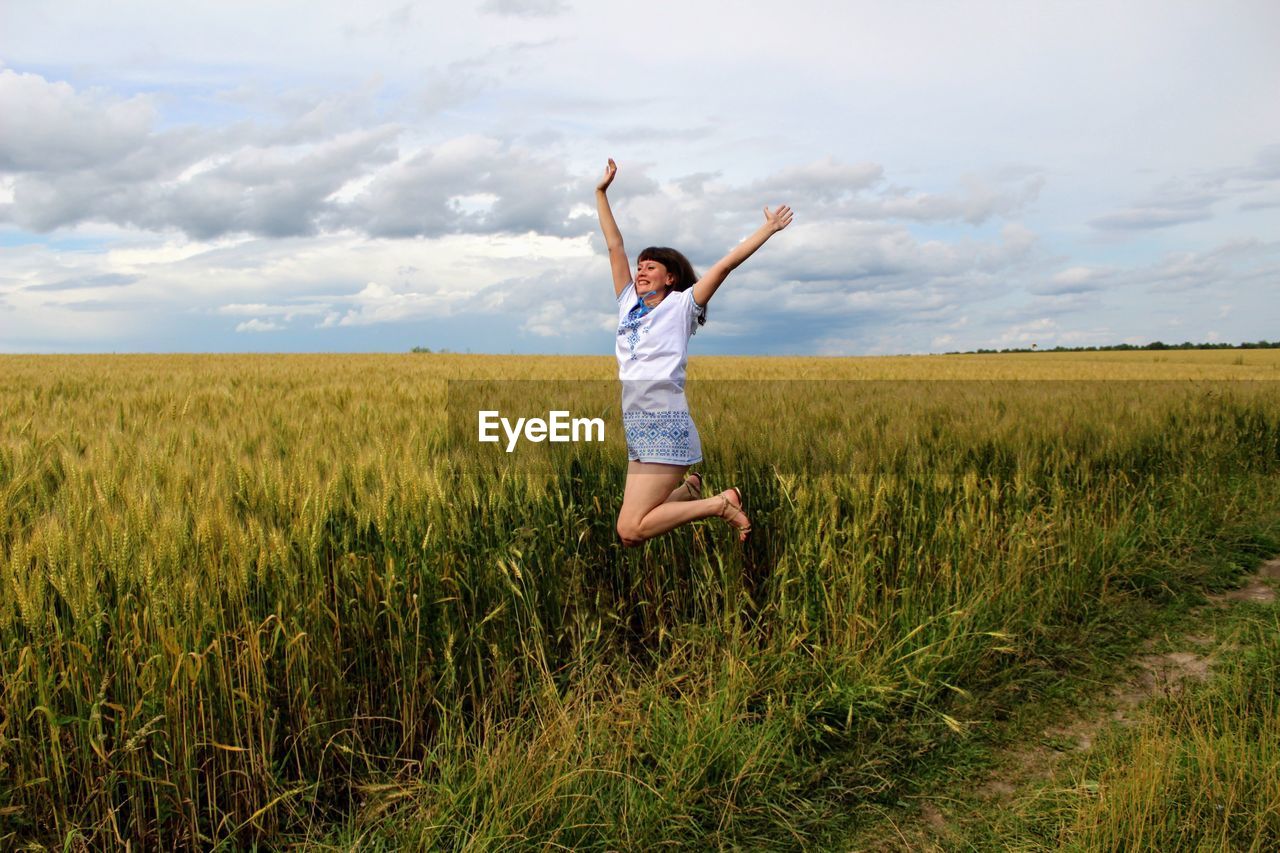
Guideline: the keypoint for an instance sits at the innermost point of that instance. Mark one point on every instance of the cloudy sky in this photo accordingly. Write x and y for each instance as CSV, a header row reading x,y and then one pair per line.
x,y
321,176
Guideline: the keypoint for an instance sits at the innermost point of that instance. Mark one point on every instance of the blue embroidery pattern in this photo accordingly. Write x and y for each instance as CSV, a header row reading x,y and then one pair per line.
x,y
631,326
632,330
659,436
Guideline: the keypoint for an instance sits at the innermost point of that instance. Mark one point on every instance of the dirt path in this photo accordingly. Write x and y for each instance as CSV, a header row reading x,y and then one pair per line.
x,y
1153,674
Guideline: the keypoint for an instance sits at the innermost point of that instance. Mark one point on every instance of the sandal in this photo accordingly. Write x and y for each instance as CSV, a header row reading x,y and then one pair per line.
x,y
694,494
743,532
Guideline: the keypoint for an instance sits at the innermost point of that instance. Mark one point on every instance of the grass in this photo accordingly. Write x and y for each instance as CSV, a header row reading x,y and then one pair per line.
x,y
1201,771
1013,782
1195,768
272,599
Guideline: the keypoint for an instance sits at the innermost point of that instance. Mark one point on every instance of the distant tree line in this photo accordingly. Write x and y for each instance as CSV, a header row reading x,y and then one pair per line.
x,y
1154,345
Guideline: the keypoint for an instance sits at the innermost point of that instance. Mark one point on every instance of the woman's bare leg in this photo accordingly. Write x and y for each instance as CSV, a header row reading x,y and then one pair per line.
x,y
646,511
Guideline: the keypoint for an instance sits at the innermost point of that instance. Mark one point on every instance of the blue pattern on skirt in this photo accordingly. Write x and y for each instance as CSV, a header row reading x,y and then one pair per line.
x,y
661,436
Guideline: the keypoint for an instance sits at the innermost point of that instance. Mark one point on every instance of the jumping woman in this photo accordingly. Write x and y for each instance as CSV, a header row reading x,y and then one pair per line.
x,y
658,311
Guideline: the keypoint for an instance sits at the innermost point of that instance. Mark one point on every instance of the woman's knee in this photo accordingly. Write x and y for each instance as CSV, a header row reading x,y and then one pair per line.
x,y
629,532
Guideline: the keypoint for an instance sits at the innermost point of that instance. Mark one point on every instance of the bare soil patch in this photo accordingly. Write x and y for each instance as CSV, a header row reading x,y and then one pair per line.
x,y
1259,586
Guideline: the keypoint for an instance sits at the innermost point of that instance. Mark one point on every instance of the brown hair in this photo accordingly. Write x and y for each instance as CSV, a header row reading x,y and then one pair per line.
x,y
679,267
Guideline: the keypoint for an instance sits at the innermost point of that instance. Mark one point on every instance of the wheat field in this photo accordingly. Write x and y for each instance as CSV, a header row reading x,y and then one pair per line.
x,y
276,600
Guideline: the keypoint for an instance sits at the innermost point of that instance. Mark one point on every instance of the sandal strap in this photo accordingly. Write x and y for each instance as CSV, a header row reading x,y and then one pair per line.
x,y
689,488
737,511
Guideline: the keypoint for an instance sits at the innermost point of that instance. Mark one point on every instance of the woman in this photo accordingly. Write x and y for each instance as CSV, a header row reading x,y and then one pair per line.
x,y
658,311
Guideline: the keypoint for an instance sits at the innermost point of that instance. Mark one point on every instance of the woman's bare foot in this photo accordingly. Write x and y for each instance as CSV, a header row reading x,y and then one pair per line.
x,y
731,511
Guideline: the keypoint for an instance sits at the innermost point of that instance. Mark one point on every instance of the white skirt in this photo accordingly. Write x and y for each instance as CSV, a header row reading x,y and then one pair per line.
x,y
656,420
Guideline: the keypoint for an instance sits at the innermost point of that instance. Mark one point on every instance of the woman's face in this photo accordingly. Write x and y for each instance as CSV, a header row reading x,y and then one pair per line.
x,y
652,277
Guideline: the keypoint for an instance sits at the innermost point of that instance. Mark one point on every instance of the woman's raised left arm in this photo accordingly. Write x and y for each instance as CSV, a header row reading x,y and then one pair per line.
x,y
774,221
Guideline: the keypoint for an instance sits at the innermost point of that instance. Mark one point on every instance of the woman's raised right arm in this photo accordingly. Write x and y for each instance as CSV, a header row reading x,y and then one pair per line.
x,y
612,236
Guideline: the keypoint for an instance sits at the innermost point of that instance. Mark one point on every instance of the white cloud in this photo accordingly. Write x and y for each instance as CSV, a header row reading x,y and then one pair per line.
x,y
525,8
168,167
287,313
471,184
1073,276
306,176
1153,216
377,303
1038,331
822,180
1074,280
174,179
1191,198
49,126
256,325
1224,269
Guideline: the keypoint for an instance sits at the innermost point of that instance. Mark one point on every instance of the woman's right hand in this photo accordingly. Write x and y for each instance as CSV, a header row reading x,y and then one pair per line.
x,y
609,171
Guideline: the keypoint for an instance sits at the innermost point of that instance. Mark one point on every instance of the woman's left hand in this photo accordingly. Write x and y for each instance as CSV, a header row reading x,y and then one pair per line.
x,y
610,170
777,220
